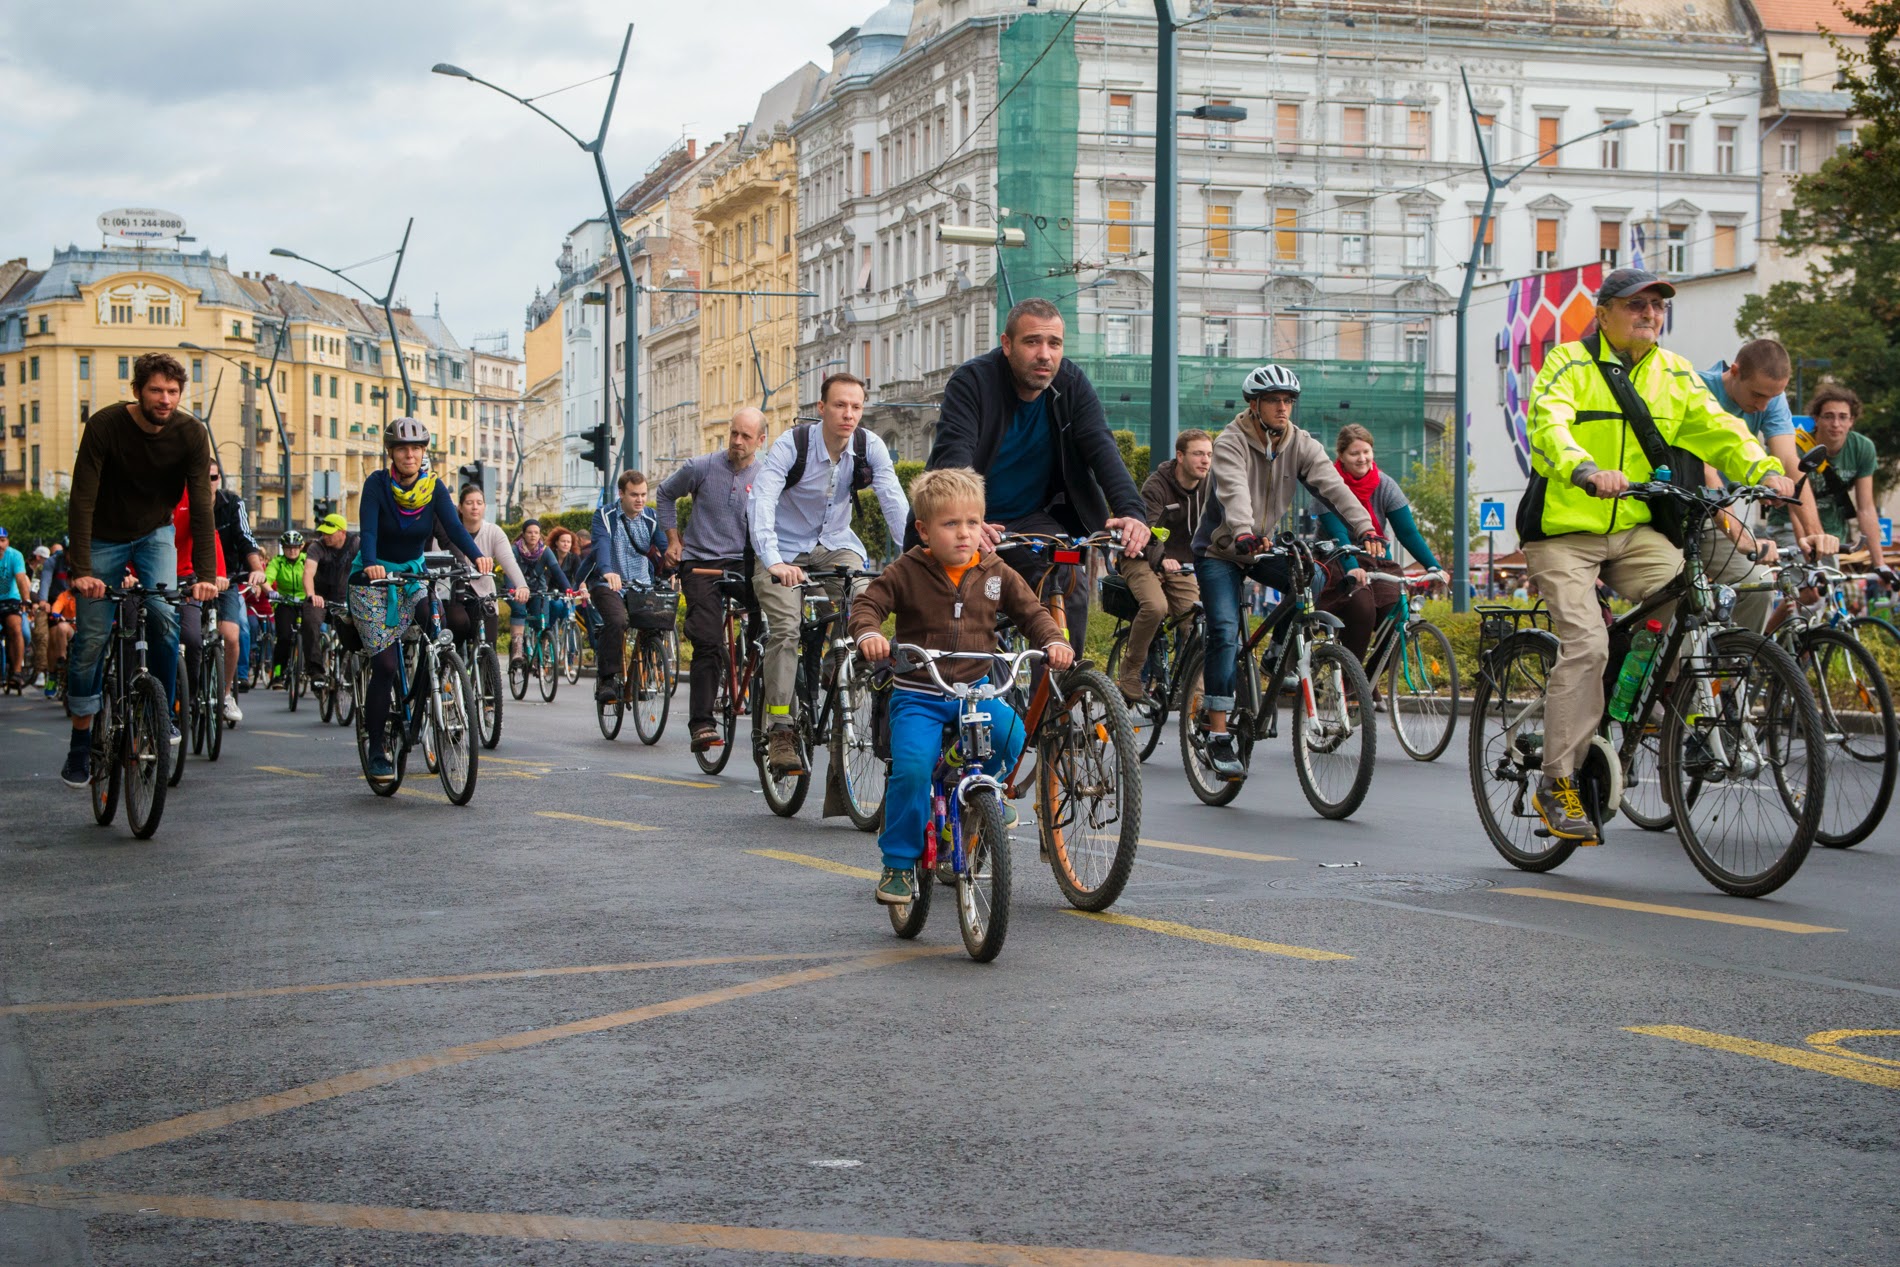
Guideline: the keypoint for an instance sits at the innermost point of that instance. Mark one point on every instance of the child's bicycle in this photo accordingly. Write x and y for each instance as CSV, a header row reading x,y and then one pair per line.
x,y
966,841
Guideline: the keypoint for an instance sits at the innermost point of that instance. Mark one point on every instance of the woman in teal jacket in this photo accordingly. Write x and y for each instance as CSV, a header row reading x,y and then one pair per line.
x,y
1362,608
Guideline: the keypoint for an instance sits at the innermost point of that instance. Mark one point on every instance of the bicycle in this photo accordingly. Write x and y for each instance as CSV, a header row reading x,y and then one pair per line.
x,y
744,653
1161,672
1734,745
131,736
198,707
1421,671
1335,744
1087,767
966,839
536,657
571,647
336,690
832,706
483,661
432,689
648,667
293,662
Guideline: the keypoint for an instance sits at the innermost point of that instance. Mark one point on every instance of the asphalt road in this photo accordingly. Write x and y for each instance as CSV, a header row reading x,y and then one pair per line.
x,y
583,1021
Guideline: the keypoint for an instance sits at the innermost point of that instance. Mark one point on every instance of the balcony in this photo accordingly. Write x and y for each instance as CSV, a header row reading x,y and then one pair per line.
x,y
12,477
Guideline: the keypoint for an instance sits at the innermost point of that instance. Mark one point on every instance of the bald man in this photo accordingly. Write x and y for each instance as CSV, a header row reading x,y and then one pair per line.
x,y
720,485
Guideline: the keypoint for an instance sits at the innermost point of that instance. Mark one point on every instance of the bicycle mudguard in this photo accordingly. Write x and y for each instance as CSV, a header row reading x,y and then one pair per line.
x,y
1325,618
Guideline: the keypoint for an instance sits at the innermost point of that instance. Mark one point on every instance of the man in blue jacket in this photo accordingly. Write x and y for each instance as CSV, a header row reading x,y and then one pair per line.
x,y
623,537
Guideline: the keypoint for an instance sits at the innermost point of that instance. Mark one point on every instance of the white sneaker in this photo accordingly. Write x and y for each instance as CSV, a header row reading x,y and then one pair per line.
x,y
232,713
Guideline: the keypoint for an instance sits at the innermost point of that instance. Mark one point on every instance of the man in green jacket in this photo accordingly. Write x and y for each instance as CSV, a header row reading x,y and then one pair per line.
x,y
1581,444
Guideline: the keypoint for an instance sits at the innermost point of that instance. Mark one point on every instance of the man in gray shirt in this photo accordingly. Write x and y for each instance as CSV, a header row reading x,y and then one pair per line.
x,y
720,485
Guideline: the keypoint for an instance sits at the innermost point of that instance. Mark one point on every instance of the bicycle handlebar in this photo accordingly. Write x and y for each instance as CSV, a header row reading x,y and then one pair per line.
x,y
908,657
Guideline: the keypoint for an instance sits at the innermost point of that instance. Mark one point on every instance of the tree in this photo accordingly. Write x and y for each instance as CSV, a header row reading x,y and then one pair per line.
x,y
1847,314
1428,486
1135,457
32,518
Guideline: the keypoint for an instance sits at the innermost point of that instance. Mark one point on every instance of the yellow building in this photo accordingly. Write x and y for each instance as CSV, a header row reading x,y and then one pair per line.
x,y
745,220
540,487
70,333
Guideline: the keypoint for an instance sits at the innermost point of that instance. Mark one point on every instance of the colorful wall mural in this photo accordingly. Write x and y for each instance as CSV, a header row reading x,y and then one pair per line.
x,y
1541,311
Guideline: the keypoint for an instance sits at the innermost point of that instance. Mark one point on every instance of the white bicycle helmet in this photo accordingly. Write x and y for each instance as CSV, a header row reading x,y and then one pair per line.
x,y
408,431
1270,378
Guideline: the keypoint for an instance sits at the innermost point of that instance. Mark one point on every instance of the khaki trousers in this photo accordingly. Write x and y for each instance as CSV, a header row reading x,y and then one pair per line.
x,y
1161,595
1635,563
783,606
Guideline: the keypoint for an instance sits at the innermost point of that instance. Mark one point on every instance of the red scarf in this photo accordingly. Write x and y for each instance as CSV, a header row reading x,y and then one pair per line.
x,y
1363,488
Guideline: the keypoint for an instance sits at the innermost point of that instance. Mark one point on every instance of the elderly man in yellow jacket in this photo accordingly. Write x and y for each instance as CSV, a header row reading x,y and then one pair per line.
x,y
1575,530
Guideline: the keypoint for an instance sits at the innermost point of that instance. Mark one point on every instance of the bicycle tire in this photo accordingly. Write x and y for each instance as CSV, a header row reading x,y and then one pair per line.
x,y
1696,799
1335,701
486,673
1102,769
854,759
1209,788
908,918
1147,718
192,684
652,701
671,645
392,741
105,771
1644,801
457,744
183,710
146,755
214,698
518,670
783,796
726,720
326,703
1504,767
549,671
1856,710
293,680
570,652
343,676
611,715
983,886
1882,640
1423,671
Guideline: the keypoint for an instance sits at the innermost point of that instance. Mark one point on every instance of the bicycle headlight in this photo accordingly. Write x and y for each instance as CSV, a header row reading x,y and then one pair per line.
x,y
1724,602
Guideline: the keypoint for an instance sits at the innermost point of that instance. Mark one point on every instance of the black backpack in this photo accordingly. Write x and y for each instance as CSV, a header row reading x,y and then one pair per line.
x,y
801,444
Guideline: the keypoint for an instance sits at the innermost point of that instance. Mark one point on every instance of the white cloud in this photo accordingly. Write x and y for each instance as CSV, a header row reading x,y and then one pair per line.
x,y
319,127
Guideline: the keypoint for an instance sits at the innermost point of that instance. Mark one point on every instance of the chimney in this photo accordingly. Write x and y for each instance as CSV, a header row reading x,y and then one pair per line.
x,y
692,148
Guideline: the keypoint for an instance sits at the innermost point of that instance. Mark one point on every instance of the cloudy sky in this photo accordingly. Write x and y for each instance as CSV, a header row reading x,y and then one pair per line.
x,y
317,125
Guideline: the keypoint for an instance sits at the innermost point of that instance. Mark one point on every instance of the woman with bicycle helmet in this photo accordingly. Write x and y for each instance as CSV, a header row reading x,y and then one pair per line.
x,y
402,507
1364,606
1260,463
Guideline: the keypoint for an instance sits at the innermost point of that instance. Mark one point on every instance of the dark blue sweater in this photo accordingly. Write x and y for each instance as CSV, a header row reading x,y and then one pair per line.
x,y
389,536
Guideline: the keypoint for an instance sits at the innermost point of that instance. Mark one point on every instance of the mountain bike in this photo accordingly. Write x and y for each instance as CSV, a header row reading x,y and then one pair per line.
x,y
198,710
648,667
1415,658
1725,716
484,663
538,658
1335,745
336,688
131,736
570,646
432,690
966,839
744,653
1161,673
294,683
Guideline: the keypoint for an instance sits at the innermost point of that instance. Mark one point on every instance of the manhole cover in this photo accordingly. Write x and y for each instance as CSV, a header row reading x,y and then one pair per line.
x,y
1359,881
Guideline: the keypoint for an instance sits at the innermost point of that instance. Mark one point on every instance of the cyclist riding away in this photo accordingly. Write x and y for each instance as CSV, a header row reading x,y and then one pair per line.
x,y
284,577
625,533
537,566
1362,607
945,594
13,592
472,505
197,620
1597,408
136,459
243,565
801,518
326,576
713,541
1162,577
1260,463
402,507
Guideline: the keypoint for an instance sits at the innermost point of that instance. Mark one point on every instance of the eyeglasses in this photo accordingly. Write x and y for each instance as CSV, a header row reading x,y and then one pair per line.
x,y
1646,305
216,478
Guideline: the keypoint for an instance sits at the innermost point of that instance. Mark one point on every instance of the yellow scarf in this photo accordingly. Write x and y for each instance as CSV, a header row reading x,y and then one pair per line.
x,y
418,494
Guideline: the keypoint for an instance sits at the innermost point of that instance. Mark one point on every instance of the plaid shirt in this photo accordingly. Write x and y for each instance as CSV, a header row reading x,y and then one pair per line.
x,y
620,545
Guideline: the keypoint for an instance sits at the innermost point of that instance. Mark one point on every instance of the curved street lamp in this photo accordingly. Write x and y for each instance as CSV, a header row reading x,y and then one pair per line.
x,y
267,378
382,300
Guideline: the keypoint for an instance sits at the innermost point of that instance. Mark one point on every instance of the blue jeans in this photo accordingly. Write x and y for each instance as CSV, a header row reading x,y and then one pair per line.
x,y
1220,599
917,723
154,559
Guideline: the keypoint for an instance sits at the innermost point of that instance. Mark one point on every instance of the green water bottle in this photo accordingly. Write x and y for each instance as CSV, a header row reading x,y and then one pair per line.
x,y
1629,682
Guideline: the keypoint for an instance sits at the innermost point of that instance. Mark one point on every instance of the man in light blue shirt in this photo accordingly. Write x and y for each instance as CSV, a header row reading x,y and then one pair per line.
x,y
801,518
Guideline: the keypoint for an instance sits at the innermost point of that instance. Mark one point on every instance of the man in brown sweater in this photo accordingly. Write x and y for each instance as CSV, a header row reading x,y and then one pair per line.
x,y
136,461
945,595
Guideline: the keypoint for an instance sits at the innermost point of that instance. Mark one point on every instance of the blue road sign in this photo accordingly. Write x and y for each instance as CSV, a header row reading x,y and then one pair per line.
x,y
1886,532
1490,516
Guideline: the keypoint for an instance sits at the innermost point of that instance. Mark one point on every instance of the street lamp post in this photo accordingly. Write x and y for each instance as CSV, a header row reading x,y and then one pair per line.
x,y
268,378
382,301
1461,431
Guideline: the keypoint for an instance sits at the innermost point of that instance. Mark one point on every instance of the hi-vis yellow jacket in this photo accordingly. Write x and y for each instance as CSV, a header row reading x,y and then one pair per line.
x,y
1574,423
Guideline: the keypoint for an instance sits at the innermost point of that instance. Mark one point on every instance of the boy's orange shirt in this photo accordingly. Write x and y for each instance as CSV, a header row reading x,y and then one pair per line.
x,y
954,573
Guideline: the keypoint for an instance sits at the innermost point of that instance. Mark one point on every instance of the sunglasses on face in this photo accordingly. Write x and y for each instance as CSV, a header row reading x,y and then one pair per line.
x,y
1646,305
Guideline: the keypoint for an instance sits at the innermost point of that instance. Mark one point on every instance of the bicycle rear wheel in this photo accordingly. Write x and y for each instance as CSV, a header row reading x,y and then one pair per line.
x,y
1422,691
457,747
984,883
147,755
726,712
213,697
783,795
486,679
1336,745
1644,801
106,769
854,759
1507,751
549,668
343,682
1148,717
570,652
184,705
652,700
1743,766
1088,786
1863,747
1210,787
907,918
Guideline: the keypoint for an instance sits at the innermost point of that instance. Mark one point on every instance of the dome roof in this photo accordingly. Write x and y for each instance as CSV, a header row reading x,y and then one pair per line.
x,y
892,19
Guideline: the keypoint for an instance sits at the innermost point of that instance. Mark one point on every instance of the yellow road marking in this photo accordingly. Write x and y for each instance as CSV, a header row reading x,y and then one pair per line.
x,y
1680,912
654,778
81,1152
1858,1070
277,734
287,771
1830,1040
1173,929
1218,853
27,730
388,983
602,1231
541,765
823,864
597,822
416,791
510,774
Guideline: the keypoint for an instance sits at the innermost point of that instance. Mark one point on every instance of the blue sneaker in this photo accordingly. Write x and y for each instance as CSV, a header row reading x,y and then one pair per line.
x,y
381,769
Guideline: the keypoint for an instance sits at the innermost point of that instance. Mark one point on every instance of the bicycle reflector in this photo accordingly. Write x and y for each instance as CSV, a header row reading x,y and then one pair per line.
x,y
1067,556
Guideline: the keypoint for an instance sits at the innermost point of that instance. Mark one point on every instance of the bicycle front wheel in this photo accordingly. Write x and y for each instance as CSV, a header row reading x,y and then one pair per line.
x,y
1148,717
343,682
783,795
1210,787
1088,784
1507,751
652,700
570,652
550,669
984,882
1422,691
518,667
1862,746
392,739
854,759
1743,764
452,722
213,696
725,711
293,680
147,754
486,679
1335,744
184,705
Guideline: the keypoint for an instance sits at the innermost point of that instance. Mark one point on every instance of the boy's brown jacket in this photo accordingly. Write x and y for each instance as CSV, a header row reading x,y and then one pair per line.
x,y
933,614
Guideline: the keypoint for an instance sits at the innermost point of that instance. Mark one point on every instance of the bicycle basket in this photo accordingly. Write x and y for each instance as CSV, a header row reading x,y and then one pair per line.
x,y
1117,599
652,609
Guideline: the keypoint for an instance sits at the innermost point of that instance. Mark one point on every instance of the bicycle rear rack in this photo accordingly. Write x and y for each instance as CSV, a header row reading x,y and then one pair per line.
x,y
1498,621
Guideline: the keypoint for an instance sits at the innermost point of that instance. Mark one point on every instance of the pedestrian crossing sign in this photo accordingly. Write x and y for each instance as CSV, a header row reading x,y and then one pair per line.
x,y
1490,516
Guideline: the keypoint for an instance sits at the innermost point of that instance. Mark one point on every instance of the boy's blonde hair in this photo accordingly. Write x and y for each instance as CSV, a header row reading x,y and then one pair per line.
x,y
933,490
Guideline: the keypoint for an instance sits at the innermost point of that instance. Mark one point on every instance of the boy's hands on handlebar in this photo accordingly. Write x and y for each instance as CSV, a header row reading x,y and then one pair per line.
x,y
1059,654
874,647
204,591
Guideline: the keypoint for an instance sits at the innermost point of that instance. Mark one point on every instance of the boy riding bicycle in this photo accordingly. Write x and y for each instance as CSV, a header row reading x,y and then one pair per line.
x,y
945,594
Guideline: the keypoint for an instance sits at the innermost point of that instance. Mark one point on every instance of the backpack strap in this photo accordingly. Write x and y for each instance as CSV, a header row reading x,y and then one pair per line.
x,y
801,444
1635,408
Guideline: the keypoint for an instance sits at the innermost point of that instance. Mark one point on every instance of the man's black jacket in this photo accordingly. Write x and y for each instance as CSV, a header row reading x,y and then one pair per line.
x,y
980,401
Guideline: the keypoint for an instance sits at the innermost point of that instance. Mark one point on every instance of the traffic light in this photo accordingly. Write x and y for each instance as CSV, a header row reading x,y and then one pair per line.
x,y
598,437
471,473
323,508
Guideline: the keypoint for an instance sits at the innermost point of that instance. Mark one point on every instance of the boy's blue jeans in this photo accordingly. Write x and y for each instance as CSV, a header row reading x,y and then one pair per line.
x,y
154,559
917,722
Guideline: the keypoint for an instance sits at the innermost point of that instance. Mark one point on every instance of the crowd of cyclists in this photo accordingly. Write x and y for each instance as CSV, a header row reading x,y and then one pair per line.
x,y
1024,505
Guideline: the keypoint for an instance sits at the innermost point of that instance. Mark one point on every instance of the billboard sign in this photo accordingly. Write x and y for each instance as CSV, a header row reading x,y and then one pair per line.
x,y
141,224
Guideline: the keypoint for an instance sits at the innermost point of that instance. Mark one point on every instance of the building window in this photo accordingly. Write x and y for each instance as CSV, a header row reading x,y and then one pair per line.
x,y
85,368
1121,118
1214,336
1725,149
359,393
85,410
1487,255
333,428
1610,148
154,315
1286,238
1678,248
1352,340
1220,231
197,369
1724,246
1843,137
1788,70
1119,335
1547,127
1286,127
1678,148
332,387
1418,133
237,329
316,384
1219,130
121,314
1609,242
44,327
1488,134
1418,342
1791,152
1418,239
1352,239
36,413
33,368
1121,235
125,367
1352,130
1546,244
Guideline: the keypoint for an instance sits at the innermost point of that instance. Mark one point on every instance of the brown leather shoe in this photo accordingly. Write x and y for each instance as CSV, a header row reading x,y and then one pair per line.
x,y
782,755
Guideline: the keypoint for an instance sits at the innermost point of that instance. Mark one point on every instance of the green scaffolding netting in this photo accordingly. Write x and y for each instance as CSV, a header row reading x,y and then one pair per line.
x,y
1036,159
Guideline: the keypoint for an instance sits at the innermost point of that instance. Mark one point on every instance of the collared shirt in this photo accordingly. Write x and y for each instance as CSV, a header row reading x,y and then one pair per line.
x,y
720,496
787,522
1775,419
621,544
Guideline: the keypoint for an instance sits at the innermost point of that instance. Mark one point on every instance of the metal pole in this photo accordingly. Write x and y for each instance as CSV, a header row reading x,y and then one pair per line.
x,y
1461,406
395,340
1164,400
